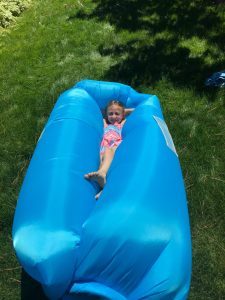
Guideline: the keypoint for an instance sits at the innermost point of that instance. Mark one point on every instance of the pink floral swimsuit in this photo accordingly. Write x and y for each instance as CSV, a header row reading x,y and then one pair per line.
x,y
112,136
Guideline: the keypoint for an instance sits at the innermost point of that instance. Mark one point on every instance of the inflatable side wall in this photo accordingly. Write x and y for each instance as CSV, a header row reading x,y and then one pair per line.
x,y
134,242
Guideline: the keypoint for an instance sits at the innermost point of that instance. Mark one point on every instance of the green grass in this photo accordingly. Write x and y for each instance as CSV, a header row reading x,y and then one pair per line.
x,y
167,48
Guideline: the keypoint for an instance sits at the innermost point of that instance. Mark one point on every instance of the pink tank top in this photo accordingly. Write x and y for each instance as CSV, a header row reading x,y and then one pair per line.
x,y
112,136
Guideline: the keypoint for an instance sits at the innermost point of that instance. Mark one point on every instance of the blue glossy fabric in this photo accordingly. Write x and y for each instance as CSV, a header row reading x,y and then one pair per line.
x,y
134,242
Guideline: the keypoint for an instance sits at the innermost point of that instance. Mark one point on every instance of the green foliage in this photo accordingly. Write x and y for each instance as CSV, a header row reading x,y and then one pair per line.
x,y
10,9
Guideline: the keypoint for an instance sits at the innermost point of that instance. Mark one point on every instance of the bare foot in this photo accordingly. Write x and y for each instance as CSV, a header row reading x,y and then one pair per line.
x,y
98,176
98,195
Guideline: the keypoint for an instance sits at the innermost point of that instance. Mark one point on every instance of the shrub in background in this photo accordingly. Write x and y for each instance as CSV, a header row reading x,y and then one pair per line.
x,y
10,9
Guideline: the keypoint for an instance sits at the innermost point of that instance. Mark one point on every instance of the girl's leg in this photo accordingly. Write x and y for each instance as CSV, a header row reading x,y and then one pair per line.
x,y
100,175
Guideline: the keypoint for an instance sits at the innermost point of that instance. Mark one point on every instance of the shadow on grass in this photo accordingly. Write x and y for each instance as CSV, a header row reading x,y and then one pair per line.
x,y
30,288
144,61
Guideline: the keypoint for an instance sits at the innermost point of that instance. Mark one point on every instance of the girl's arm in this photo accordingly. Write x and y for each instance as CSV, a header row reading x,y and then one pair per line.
x,y
128,111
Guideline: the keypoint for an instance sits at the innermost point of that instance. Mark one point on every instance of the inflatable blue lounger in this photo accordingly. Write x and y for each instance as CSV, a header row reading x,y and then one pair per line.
x,y
134,242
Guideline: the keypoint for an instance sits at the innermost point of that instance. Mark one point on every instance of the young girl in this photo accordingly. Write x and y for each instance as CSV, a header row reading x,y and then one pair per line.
x,y
114,120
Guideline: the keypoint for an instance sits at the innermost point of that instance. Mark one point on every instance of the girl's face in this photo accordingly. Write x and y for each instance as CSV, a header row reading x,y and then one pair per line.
x,y
115,114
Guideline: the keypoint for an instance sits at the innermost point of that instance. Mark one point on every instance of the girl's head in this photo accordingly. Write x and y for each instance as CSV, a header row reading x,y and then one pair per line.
x,y
114,112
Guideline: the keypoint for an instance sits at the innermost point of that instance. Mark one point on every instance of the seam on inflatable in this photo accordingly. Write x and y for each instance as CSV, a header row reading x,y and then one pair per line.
x,y
60,119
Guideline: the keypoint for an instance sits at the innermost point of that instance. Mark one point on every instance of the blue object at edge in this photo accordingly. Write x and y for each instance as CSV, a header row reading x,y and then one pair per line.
x,y
134,243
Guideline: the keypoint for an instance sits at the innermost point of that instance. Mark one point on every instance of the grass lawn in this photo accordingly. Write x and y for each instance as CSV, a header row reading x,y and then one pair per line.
x,y
167,48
